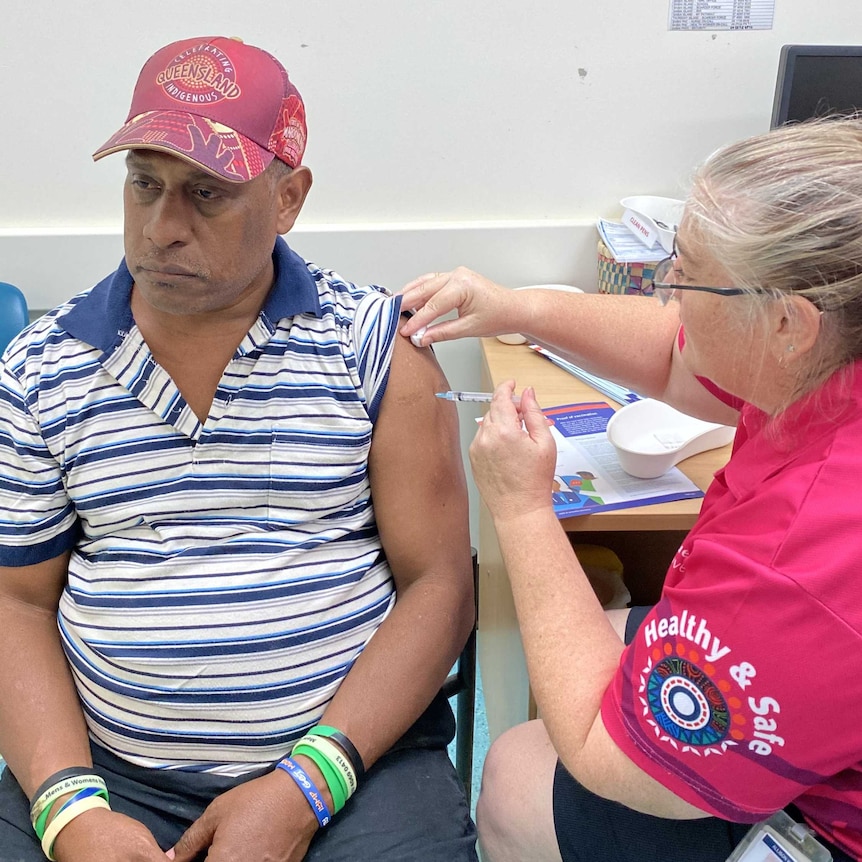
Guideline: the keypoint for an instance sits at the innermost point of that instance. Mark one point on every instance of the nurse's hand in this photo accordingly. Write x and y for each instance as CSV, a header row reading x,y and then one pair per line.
x,y
483,307
514,455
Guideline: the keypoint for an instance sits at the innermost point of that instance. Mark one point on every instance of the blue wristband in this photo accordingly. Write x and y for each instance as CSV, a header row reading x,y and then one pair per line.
x,y
306,785
83,794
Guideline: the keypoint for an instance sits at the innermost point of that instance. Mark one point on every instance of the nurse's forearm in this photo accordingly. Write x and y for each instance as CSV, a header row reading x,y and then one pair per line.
x,y
571,648
628,339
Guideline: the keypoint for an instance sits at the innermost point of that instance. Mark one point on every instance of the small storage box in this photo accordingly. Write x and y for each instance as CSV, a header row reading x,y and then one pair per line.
x,y
622,277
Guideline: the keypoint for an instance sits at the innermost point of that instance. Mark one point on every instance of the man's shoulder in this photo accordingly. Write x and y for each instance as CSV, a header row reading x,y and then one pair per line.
x,y
44,329
328,280
303,287
353,303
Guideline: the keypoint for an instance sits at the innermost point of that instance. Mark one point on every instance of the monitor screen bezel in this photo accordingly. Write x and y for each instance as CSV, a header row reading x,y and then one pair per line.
x,y
787,72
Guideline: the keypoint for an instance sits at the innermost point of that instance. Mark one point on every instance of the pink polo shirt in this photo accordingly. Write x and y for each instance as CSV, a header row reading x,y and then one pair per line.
x,y
742,690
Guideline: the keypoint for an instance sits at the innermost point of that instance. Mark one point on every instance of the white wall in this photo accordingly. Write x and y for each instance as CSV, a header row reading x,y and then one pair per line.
x,y
454,109
485,132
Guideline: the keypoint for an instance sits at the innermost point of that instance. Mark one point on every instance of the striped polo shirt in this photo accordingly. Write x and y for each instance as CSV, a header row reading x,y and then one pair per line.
x,y
224,575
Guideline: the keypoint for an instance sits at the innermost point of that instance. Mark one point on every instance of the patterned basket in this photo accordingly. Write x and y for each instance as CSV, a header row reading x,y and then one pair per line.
x,y
618,277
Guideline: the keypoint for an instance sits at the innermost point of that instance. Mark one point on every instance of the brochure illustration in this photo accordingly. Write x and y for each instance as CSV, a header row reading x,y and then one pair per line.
x,y
588,477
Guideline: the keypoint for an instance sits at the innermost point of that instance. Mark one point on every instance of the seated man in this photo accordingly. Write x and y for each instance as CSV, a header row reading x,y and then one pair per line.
x,y
228,613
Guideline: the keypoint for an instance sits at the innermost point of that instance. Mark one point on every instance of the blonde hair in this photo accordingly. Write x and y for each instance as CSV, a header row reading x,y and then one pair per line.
x,y
783,211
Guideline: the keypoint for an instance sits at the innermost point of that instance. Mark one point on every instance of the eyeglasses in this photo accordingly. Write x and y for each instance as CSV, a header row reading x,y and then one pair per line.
x,y
664,290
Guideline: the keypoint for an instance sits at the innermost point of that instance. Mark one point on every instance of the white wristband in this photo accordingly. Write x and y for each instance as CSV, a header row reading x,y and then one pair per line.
x,y
335,756
65,817
61,788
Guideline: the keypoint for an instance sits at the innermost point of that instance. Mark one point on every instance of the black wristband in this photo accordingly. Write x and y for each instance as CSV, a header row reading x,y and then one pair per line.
x,y
57,777
352,754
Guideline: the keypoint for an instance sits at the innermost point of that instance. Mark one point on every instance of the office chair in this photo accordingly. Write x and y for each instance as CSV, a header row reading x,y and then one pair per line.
x,y
461,684
14,315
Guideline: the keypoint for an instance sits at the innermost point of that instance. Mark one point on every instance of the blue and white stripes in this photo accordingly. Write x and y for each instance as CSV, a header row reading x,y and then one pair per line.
x,y
225,575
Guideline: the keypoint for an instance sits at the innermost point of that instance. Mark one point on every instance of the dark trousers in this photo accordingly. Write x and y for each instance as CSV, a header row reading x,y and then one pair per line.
x,y
411,807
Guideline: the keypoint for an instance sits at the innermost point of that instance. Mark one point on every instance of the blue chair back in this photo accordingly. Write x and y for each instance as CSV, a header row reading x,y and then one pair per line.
x,y
14,315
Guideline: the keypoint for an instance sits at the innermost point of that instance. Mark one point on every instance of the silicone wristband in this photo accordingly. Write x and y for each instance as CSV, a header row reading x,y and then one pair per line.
x,y
68,785
61,821
335,756
84,794
40,825
347,746
336,784
306,785
57,777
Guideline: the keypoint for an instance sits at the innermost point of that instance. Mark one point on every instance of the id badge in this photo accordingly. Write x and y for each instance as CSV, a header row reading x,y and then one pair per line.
x,y
780,839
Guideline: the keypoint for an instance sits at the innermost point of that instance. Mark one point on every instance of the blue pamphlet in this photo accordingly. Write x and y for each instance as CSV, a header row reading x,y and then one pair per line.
x,y
588,477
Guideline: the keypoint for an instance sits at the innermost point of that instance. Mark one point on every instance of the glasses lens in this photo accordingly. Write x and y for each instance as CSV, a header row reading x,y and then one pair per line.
x,y
663,294
663,275
663,272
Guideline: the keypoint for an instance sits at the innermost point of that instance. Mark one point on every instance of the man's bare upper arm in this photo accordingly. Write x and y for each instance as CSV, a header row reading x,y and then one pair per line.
x,y
416,469
38,586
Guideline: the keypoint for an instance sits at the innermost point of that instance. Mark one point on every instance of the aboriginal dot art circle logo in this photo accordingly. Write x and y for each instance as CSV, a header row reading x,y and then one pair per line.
x,y
686,703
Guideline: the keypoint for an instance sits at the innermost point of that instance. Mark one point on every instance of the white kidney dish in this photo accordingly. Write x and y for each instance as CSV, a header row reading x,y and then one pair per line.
x,y
650,437
517,338
661,215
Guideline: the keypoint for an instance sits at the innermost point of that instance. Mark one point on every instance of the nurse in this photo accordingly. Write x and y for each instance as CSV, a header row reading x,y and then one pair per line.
x,y
666,732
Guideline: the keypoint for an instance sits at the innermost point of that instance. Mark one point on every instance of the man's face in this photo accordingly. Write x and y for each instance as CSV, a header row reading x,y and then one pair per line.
x,y
195,243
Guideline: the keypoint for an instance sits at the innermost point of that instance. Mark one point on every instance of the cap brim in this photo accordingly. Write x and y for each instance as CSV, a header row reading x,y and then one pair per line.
x,y
211,146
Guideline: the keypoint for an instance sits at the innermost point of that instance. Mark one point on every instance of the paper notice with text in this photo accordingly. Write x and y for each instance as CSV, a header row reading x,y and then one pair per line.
x,y
720,14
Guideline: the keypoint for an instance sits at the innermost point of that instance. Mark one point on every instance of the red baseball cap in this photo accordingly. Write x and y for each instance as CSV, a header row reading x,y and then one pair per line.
x,y
218,103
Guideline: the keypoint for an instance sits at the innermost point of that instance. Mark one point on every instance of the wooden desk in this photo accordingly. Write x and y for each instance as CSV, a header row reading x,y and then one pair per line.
x,y
645,538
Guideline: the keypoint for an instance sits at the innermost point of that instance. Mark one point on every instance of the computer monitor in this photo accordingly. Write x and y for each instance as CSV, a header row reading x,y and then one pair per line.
x,y
817,80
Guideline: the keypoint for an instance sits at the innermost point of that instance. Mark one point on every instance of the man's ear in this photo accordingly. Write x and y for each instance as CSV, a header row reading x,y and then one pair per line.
x,y
291,191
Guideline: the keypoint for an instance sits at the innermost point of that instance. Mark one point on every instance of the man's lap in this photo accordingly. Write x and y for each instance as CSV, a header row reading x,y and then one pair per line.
x,y
412,806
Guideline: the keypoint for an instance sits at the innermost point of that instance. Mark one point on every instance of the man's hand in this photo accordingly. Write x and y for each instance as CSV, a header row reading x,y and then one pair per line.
x,y
107,836
267,818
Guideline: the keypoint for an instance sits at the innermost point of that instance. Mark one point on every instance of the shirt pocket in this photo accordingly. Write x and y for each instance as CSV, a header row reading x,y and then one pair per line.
x,y
319,473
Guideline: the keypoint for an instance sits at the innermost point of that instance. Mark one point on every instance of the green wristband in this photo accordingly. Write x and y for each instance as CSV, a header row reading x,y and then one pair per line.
x,y
336,757
334,780
347,746
41,822
69,784
336,784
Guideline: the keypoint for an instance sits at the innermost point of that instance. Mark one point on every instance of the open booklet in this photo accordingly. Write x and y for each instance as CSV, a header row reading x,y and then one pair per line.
x,y
588,477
